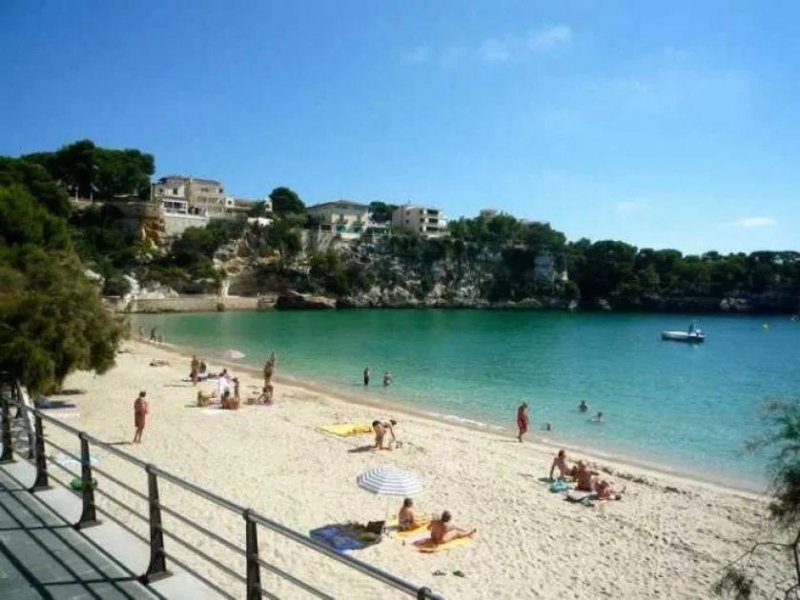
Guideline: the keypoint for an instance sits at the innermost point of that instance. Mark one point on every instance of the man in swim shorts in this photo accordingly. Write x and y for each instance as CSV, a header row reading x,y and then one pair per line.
x,y
560,462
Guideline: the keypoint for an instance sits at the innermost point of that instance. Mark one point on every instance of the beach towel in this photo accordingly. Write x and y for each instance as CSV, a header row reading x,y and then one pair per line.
x,y
394,528
43,402
585,498
347,429
339,537
427,546
560,486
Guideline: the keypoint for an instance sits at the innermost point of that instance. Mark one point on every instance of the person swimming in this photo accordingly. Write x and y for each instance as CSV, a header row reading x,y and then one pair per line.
x,y
598,418
583,407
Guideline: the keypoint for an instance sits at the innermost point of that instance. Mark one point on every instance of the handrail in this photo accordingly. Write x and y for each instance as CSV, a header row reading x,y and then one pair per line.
x,y
158,553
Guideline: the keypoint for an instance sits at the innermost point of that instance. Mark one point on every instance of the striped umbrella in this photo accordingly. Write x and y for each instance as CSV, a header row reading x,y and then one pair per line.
x,y
390,481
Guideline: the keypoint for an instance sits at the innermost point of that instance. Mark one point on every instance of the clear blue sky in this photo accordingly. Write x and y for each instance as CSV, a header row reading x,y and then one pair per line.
x,y
664,124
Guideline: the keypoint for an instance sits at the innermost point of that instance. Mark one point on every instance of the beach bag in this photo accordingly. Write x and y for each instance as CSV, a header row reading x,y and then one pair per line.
x,y
375,526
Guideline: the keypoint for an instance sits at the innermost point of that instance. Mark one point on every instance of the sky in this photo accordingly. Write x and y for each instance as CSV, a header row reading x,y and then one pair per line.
x,y
664,124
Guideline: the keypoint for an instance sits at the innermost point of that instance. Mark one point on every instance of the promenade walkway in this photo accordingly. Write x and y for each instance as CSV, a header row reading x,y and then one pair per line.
x,y
43,556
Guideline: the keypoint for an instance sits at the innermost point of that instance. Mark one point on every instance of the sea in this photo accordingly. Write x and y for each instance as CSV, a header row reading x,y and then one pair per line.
x,y
684,408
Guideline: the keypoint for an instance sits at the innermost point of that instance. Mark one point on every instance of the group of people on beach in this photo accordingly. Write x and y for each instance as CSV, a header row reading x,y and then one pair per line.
x,y
387,377
442,528
586,479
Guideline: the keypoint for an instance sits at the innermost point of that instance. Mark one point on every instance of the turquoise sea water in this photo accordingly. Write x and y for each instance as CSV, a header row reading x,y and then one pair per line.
x,y
689,408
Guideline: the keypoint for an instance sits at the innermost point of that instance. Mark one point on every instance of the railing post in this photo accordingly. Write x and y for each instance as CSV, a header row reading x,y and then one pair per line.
x,y
42,482
8,450
424,593
89,512
157,569
253,568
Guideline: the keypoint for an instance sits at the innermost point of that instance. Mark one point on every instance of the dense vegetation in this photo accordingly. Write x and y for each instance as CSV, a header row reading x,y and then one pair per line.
x,y
505,248
51,317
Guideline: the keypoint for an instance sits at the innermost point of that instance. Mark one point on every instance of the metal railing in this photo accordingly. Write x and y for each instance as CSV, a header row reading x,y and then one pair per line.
x,y
157,567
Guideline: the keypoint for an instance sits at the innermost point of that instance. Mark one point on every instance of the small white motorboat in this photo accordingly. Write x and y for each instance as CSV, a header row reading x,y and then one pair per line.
x,y
694,337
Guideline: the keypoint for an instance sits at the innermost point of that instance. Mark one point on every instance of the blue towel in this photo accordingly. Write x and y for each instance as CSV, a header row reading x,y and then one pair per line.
x,y
337,537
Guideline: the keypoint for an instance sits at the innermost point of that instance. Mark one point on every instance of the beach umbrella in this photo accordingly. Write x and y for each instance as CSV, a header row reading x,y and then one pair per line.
x,y
234,354
390,481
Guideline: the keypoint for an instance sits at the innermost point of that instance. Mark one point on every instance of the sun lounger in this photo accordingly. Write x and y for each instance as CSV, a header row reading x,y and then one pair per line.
x,y
427,546
347,429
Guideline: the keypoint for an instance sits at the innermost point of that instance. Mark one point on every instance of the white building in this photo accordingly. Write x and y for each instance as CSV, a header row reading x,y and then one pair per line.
x,y
190,195
428,222
343,217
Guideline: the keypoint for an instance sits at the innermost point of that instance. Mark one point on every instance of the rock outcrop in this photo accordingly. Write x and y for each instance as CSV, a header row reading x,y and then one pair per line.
x,y
297,301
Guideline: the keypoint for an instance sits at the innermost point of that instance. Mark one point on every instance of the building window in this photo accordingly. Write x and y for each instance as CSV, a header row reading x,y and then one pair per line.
x,y
174,191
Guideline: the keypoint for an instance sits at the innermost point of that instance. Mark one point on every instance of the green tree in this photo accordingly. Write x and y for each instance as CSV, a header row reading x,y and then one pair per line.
x,y
53,320
782,420
380,212
285,201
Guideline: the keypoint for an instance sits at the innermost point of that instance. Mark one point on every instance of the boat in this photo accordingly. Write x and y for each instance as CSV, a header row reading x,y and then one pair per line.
x,y
694,337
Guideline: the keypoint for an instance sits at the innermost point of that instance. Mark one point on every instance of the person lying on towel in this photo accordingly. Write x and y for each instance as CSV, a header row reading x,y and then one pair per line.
x,y
443,530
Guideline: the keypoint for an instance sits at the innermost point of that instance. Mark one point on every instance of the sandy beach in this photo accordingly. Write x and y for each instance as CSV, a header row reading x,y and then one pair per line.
x,y
669,537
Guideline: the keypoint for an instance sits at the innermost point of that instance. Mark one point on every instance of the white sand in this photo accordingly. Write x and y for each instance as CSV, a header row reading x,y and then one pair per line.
x,y
668,538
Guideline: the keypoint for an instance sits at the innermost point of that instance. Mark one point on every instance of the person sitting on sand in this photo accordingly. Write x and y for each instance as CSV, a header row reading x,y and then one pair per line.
x,y
205,398
584,477
604,491
560,462
443,531
406,518
583,407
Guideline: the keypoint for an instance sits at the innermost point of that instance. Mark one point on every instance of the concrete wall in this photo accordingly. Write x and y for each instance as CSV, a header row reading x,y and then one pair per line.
x,y
175,224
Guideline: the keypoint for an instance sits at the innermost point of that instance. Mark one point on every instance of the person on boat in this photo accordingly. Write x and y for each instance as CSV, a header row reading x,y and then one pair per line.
x,y
692,328
522,420
583,407
406,518
443,531
560,463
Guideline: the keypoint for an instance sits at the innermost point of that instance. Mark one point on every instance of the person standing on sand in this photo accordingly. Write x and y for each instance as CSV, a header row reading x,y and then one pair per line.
x,y
367,373
140,410
153,334
195,369
269,369
522,420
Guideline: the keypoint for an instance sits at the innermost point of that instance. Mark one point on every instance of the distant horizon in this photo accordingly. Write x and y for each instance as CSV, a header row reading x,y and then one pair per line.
x,y
663,129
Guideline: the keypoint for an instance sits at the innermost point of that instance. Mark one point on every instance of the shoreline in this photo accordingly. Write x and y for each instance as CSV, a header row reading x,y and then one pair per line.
x,y
279,460
396,406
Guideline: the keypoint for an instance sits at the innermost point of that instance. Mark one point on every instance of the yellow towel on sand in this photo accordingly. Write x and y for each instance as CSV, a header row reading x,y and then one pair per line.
x,y
347,429
428,547
408,533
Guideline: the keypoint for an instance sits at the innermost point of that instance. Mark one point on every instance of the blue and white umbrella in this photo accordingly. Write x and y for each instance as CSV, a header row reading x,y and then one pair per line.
x,y
390,481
